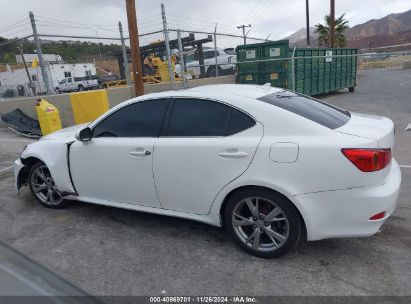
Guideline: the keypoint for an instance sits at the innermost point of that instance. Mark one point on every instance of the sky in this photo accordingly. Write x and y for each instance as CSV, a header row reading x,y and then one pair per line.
x,y
277,18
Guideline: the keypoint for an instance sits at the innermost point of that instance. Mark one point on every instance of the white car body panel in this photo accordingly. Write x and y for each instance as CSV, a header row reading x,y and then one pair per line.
x,y
113,160
185,177
201,165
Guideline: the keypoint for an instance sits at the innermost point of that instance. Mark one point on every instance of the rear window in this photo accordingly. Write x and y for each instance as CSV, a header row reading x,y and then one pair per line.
x,y
313,109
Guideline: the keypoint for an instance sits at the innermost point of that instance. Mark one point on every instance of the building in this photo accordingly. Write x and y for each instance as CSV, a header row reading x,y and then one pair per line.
x,y
49,58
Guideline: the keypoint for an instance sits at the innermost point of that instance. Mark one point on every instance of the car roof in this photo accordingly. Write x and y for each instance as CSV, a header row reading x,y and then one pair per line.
x,y
243,90
225,92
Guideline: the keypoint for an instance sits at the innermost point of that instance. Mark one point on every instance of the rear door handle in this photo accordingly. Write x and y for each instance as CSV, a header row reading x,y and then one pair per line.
x,y
139,152
232,154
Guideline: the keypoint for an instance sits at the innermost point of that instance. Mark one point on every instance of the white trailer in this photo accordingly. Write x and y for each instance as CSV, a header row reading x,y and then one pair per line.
x,y
16,82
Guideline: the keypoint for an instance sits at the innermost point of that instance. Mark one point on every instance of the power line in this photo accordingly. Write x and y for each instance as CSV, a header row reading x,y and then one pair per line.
x,y
261,11
76,23
14,28
11,25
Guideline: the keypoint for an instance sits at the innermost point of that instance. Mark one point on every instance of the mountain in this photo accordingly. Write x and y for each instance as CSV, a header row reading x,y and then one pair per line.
x,y
392,29
387,25
300,35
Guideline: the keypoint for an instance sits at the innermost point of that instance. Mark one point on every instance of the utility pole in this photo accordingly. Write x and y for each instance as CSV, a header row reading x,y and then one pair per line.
x,y
135,48
125,59
167,42
244,35
40,54
332,23
307,18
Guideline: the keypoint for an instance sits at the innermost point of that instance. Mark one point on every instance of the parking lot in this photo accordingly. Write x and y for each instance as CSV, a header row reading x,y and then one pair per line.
x,y
108,251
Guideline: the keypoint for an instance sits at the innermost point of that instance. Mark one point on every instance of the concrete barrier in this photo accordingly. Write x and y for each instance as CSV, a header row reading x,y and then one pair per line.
x,y
115,95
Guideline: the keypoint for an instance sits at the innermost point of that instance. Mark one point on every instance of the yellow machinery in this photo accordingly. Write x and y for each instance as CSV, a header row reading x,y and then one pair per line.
x,y
88,105
49,117
161,70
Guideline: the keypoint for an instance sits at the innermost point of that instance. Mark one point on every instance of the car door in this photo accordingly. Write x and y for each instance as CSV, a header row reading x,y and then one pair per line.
x,y
116,164
205,145
70,84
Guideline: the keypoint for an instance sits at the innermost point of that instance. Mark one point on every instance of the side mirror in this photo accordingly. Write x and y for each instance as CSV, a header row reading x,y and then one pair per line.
x,y
84,135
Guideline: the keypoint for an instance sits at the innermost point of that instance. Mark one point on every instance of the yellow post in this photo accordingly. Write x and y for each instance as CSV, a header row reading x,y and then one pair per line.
x,y
89,105
49,117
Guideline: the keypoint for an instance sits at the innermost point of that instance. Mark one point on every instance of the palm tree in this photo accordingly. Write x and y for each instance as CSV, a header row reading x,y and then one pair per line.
x,y
341,25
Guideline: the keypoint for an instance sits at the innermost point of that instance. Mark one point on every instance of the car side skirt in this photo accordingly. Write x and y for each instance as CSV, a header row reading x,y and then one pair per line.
x,y
213,220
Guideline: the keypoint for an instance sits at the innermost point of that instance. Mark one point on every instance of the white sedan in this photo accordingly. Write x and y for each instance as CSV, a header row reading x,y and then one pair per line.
x,y
269,165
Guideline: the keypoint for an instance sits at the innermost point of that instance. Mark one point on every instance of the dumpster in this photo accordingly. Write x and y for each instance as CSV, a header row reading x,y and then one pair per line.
x,y
250,71
312,72
49,117
89,105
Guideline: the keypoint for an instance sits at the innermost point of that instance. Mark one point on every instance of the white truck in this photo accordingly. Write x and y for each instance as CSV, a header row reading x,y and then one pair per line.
x,y
226,63
72,84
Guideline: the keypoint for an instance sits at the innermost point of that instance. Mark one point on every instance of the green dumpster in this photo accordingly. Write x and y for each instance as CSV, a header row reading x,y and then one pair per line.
x,y
250,71
312,72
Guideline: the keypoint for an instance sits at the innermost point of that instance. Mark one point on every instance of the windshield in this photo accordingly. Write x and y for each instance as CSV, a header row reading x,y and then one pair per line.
x,y
230,51
313,109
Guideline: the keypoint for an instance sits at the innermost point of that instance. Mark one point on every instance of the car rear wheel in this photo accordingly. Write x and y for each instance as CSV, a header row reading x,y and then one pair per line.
x,y
43,188
262,222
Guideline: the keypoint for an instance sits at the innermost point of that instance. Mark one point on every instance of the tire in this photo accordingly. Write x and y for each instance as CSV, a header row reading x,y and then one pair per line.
x,y
58,90
351,89
211,71
268,235
80,88
43,187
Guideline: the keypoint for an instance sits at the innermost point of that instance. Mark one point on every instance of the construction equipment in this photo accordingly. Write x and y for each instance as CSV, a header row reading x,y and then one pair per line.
x,y
159,69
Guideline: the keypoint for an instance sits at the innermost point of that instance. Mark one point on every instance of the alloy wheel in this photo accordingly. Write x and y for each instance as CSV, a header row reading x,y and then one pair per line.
x,y
260,224
43,186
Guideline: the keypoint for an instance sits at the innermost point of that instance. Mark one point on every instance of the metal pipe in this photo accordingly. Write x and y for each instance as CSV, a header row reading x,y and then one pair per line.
x,y
167,42
125,59
307,19
215,50
40,54
182,64
293,70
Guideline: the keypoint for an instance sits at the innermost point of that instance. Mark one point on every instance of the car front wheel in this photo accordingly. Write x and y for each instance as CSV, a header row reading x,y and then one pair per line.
x,y
43,188
262,222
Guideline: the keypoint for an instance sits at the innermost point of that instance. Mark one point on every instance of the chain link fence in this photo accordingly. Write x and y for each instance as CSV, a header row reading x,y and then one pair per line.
x,y
100,58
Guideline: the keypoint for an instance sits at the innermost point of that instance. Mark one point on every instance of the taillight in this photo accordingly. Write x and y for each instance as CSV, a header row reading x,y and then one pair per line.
x,y
368,160
378,216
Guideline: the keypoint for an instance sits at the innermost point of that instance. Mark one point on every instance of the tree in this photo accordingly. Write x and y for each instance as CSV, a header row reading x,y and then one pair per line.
x,y
323,31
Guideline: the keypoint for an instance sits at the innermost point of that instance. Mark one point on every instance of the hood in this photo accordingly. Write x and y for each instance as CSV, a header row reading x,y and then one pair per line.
x,y
66,133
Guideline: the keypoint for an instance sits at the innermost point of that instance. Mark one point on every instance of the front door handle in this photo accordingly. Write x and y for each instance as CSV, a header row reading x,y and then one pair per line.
x,y
232,153
139,152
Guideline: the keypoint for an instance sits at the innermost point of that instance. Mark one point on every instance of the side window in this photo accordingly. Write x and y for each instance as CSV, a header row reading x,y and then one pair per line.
x,y
141,119
239,122
196,117
208,55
